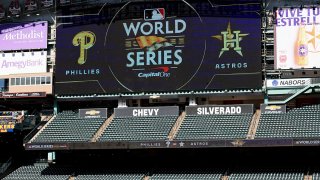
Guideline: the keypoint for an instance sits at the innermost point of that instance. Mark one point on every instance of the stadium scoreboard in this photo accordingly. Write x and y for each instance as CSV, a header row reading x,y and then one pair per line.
x,y
162,46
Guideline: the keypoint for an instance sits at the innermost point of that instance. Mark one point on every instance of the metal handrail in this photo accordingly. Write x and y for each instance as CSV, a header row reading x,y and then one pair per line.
x,y
33,132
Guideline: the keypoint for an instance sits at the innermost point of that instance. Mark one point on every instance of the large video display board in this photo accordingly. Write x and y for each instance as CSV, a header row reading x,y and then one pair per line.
x,y
297,35
160,46
23,36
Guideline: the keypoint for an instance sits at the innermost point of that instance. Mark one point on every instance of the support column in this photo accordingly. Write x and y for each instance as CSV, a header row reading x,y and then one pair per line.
x,y
266,98
55,107
51,157
192,101
122,103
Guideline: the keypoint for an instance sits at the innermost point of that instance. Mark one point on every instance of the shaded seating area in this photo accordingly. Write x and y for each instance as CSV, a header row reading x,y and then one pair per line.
x,y
109,174
40,172
110,177
214,127
297,123
68,127
138,128
316,175
267,174
188,174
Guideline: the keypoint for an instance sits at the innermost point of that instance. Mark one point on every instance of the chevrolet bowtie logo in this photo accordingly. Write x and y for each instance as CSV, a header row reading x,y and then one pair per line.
x,y
92,112
273,107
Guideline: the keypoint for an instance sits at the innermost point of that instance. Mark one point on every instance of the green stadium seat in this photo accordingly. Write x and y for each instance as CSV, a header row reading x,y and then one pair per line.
x,y
196,127
138,128
68,127
267,174
40,172
297,123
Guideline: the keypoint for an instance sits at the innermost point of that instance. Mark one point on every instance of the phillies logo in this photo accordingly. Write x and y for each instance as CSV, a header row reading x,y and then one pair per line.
x,y
84,39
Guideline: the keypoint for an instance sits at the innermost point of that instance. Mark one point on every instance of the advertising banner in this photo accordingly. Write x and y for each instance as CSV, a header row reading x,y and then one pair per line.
x,y
21,63
297,35
93,113
147,111
283,83
220,109
6,127
159,49
273,109
23,36
23,95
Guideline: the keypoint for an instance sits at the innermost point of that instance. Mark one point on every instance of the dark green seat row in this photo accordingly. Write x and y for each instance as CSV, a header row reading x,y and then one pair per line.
x,y
256,174
214,127
297,123
139,128
68,127
40,172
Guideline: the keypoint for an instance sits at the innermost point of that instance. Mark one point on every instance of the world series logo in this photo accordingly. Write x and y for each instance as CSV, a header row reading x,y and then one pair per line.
x,y
154,46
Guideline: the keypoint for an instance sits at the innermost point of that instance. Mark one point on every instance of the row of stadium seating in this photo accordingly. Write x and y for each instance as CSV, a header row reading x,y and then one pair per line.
x,y
267,174
138,128
297,123
68,127
45,172
214,127
39,172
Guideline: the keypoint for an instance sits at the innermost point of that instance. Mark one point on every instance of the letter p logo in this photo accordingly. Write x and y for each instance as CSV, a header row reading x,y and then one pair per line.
x,y
85,40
